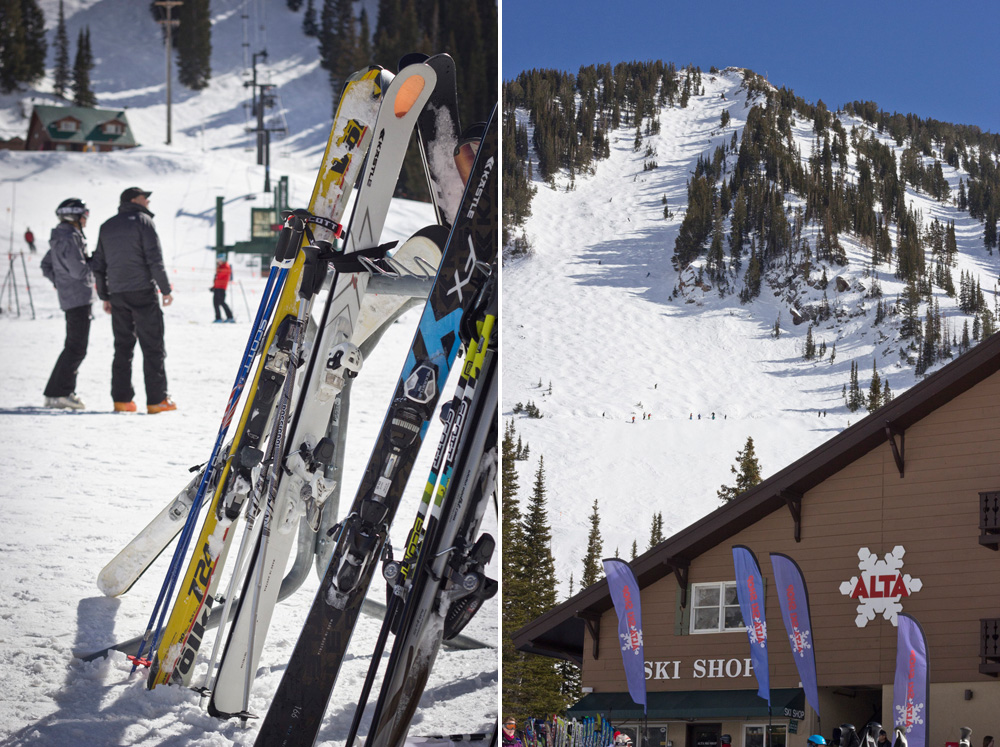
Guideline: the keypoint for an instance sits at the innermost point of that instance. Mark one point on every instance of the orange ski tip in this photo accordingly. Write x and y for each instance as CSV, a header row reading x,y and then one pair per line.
x,y
407,96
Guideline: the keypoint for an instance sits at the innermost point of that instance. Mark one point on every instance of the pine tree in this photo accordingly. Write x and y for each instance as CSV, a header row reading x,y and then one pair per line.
x,y
194,45
364,48
36,45
592,570
540,683
22,44
656,530
512,611
570,675
635,550
337,42
747,476
62,75
875,391
309,25
84,63
13,48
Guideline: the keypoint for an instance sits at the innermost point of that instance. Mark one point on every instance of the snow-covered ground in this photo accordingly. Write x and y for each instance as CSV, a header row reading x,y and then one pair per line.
x,y
591,314
77,486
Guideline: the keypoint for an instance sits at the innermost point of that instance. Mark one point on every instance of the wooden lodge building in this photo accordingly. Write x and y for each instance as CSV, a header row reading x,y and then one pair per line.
x,y
909,495
78,128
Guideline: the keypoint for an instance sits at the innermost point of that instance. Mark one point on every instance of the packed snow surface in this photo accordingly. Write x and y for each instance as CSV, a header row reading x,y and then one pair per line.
x,y
77,486
649,382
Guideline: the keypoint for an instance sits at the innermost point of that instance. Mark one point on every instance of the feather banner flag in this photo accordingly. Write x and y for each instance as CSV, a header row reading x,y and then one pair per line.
x,y
794,602
750,591
911,686
625,594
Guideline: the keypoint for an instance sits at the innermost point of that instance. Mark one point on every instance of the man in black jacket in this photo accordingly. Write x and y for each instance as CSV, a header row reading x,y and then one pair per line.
x,y
128,267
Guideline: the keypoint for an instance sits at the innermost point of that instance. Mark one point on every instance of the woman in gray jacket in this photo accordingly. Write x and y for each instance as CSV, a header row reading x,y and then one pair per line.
x,y
66,265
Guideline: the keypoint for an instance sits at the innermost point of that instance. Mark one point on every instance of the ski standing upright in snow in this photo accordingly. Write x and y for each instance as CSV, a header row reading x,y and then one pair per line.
x,y
302,695
350,136
299,486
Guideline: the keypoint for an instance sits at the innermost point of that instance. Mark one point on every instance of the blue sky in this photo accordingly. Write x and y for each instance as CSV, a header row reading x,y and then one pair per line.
x,y
935,59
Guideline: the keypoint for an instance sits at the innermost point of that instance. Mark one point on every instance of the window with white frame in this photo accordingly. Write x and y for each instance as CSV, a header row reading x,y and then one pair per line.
x,y
757,736
715,608
68,125
113,128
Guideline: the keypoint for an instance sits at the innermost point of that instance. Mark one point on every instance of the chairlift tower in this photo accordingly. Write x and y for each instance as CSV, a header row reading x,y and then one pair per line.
x,y
169,24
263,98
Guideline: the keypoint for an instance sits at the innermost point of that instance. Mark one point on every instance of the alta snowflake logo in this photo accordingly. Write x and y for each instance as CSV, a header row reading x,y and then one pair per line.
x,y
632,640
757,632
800,641
881,587
909,715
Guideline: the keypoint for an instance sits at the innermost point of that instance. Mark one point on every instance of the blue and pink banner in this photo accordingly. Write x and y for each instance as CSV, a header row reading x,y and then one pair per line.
x,y
794,602
625,594
911,687
750,590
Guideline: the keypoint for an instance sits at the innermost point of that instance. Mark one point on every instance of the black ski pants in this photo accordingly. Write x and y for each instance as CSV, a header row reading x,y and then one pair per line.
x,y
136,315
62,382
219,301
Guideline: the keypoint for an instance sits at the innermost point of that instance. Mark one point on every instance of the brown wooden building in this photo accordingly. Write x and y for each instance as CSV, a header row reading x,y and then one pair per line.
x,y
911,495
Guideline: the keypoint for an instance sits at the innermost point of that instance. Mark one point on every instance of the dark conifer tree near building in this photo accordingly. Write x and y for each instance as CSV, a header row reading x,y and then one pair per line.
x,y
747,476
540,684
84,63
512,611
62,74
294,5
875,391
592,570
656,530
193,42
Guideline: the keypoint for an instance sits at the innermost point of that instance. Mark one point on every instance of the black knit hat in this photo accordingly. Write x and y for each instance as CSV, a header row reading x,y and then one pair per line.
x,y
132,192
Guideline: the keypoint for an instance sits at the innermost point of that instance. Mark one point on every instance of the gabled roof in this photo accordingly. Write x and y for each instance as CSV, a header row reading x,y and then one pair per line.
x,y
91,121
560,632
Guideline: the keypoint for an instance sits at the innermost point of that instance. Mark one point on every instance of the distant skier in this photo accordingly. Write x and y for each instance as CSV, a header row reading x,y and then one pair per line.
x,y
29,239
223,272
633,418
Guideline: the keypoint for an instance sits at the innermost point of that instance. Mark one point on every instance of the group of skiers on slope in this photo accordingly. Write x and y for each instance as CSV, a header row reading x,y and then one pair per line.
x,y
126,269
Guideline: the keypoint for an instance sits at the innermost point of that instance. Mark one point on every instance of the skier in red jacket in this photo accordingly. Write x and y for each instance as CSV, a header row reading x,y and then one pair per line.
x,y
222,274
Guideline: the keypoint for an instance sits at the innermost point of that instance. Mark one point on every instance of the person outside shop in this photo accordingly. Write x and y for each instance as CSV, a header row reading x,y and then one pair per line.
x,y
510,736
128,267
223,273
66,266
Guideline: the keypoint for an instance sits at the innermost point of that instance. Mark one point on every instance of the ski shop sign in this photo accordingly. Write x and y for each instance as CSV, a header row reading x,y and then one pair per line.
x,y
880,587
699,669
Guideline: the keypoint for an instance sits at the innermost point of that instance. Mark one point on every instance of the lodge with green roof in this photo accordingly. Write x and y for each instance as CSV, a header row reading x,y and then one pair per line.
x,y
78,128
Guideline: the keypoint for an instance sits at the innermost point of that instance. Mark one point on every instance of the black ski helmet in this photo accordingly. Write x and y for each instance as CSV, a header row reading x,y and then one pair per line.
x,y
72,209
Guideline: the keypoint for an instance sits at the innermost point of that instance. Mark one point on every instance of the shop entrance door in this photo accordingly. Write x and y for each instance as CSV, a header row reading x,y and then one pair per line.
x,y
704,735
